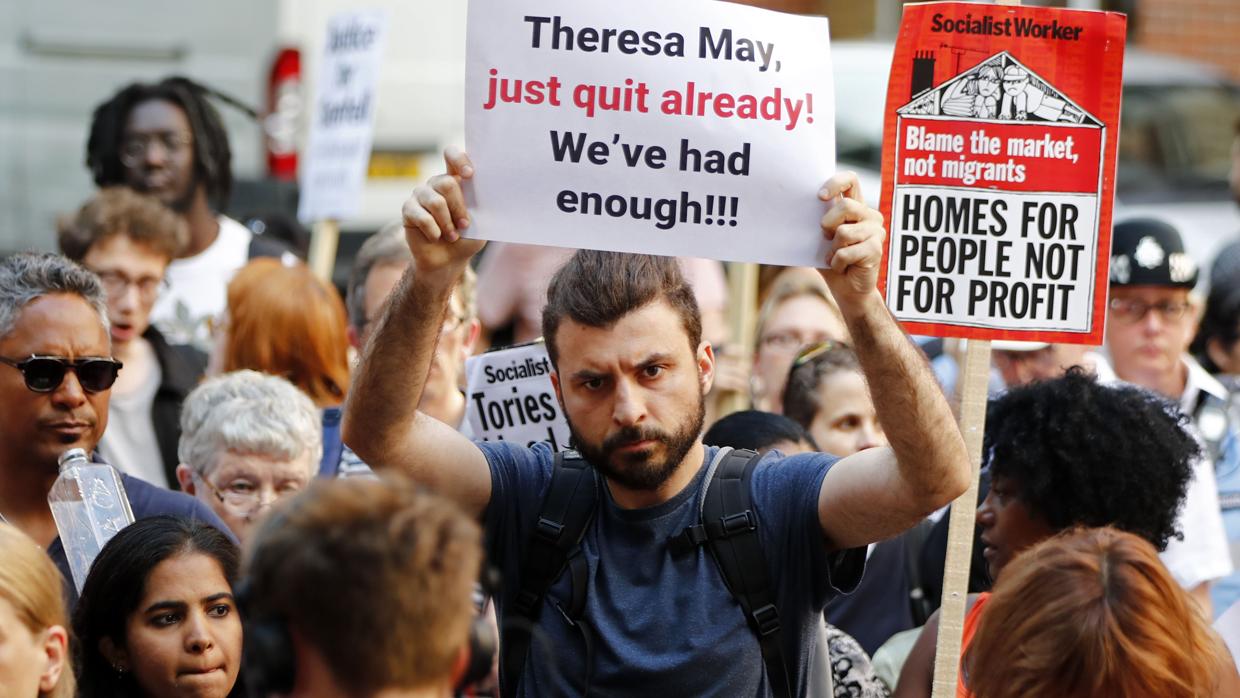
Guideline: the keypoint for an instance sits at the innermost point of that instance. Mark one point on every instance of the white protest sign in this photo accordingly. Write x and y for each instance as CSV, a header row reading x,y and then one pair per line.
x,y
695,128
342,123
510,397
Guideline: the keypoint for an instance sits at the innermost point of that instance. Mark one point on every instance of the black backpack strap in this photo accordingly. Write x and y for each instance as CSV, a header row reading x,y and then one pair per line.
x,y
574,609
912,543
567,509
730,528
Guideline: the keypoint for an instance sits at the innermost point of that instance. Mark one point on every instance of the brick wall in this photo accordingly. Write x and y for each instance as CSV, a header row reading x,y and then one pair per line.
x,y
801,7
1206,30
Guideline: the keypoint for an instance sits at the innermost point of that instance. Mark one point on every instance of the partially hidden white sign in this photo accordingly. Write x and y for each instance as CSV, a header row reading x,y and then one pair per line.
x,y
694,128
510,397
343,117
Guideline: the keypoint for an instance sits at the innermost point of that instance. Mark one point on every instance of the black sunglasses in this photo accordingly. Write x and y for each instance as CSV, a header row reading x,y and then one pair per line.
x,y
44,374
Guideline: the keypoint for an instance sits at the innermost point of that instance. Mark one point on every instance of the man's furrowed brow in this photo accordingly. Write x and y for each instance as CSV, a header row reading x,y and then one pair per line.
x,y
655,359
586,374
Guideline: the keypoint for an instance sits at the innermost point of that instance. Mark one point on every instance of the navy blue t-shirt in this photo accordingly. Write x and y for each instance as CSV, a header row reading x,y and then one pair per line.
x,y
145,500
666,624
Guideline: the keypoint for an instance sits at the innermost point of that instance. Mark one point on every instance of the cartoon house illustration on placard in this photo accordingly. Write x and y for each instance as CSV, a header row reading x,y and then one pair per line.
x,y
999,88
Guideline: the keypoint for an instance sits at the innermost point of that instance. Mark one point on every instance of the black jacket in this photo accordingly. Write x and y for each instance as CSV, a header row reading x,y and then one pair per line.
x,y
180,369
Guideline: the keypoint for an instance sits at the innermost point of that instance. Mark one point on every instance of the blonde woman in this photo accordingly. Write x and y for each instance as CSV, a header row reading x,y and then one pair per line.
x,y
34,642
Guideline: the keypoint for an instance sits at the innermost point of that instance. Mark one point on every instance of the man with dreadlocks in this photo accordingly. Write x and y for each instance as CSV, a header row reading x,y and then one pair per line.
x,y
167,140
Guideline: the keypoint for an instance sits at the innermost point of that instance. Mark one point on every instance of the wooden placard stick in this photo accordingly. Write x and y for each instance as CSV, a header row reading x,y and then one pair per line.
x,y
324,238
975,378
742,317
973,395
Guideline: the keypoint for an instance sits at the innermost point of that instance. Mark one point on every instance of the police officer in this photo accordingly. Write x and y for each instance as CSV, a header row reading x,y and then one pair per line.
x,y
1153,317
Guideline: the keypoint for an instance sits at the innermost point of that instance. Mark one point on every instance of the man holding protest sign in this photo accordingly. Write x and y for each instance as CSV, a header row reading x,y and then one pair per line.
x,y
624,337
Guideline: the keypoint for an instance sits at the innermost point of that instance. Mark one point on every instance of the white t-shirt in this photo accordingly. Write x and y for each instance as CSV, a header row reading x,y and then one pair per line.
x,y
198,286
130,443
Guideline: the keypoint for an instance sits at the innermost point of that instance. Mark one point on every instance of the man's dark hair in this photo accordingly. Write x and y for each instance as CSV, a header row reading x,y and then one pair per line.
x,y
1085,454
212,156
1220,322
115,586
596,289
801,399
756,430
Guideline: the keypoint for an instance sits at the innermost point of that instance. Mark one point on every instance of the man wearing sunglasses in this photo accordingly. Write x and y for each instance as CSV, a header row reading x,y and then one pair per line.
x,y
631,372
56,374
1151,321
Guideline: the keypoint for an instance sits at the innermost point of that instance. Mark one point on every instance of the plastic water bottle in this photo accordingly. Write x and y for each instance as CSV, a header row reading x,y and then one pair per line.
x,y
89,505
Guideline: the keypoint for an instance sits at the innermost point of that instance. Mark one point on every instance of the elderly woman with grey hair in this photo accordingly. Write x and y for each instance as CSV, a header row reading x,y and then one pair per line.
x,y
247,440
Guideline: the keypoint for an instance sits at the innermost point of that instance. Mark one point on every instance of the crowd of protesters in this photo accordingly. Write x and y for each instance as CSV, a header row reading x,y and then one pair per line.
x,y
314,518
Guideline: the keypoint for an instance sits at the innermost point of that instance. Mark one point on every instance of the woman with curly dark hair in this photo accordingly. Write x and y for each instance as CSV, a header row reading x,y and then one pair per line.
x,y
1069,453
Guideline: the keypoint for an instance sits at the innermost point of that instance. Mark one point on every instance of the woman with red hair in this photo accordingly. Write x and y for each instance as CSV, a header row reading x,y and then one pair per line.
x,y
283,320
1093,612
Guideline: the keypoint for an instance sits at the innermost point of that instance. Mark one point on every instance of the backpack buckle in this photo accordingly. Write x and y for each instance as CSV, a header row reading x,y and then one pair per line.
x,y
548,530
687,540
526,601
766,619
738,523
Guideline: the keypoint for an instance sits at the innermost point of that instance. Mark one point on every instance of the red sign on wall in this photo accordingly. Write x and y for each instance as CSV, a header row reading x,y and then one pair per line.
x,y
999,170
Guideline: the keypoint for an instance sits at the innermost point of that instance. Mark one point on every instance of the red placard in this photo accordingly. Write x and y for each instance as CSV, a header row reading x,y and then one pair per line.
x,y
999,150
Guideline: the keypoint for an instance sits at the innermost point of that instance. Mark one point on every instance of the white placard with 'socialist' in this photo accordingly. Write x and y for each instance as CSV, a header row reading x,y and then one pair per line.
x,y
510,397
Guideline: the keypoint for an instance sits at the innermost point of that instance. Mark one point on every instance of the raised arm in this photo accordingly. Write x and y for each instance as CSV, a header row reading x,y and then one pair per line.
x,y
877,493
381,421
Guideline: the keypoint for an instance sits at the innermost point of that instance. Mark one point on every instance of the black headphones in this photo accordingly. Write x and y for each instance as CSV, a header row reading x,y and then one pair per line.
x,y
483,640
267,660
